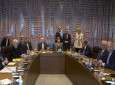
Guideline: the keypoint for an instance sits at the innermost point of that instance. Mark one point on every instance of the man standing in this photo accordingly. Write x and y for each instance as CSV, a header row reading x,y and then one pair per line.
x,y
3,61
66,41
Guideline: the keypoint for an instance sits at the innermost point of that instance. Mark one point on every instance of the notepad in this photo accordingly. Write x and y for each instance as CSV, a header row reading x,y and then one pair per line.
x,y
8,70
11,63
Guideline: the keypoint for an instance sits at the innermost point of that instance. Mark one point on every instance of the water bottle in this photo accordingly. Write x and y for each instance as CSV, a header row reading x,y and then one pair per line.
x,y
20,80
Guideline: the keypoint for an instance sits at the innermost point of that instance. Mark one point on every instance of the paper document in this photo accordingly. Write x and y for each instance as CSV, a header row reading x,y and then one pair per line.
x,y
8,70
17,59
11,63
5,82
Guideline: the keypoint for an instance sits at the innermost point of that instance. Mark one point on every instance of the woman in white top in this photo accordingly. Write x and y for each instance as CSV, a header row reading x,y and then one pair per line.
x,y
78,43
58,43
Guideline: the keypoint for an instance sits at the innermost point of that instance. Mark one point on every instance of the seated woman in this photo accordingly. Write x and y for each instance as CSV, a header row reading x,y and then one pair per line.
x,y
58,44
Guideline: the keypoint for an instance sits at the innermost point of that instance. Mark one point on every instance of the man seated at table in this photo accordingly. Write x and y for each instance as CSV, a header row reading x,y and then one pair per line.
x,y
42,45
28,44
22,48
66,41
110,62
103,52
87,49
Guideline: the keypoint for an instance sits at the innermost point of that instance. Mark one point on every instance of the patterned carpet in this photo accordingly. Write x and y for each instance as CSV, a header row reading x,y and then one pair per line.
x,y
53,79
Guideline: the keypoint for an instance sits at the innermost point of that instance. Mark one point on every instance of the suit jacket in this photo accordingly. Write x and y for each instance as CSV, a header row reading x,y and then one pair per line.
x,y
65,38
29,44
40,45
4,41
14,52
111,63
103,56
96,51
1,65
22,48
6,48
66,41
87,51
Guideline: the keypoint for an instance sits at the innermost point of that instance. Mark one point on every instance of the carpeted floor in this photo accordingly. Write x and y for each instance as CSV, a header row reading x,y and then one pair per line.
x,y
53,79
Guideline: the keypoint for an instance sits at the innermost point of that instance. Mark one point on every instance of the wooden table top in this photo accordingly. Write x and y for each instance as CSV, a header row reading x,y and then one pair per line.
x,y
9,75
5,76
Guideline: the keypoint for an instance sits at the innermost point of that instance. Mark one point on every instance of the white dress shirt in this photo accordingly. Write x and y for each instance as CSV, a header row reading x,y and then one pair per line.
x,y
42,45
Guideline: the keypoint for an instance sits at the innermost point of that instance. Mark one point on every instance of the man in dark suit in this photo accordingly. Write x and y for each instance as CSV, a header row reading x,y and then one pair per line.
x,y
110,62
28,44
22,48
66,41
6,48
87,49
103,54
42,45
5,42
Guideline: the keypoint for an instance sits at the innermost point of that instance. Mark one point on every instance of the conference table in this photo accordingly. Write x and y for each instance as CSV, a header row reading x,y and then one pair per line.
x,y
71,64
